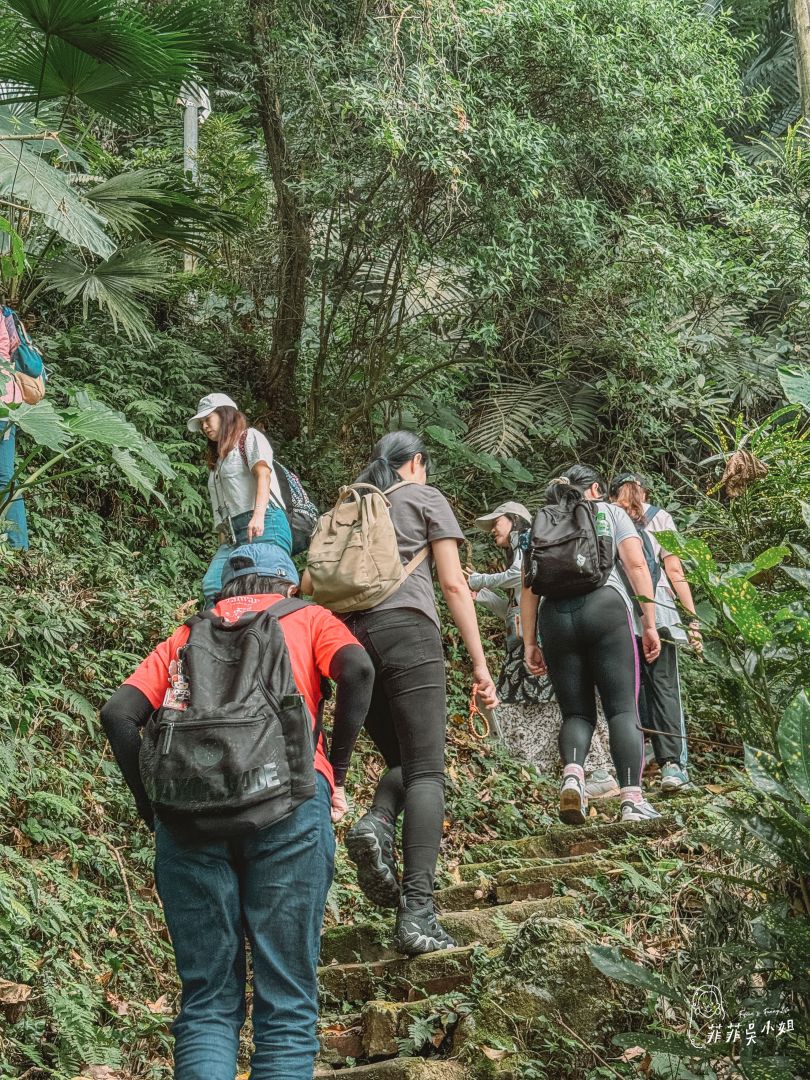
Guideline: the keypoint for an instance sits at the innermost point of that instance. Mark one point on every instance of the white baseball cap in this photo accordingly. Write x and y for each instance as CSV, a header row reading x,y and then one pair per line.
x,y
517,509
207,406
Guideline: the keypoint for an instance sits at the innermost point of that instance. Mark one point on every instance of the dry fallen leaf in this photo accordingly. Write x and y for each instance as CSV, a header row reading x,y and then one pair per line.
x,y
12,993
493,1055
160,1006
632,1052
120,1006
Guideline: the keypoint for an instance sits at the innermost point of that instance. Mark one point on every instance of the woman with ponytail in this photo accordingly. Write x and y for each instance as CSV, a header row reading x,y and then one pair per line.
x,y
591,639
407,717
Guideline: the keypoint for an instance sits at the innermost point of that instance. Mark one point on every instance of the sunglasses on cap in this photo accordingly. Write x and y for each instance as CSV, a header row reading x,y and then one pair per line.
x,y
626,478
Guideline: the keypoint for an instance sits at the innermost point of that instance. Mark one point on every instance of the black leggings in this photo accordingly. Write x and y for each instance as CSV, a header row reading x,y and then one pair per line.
x,y
589,641
406,721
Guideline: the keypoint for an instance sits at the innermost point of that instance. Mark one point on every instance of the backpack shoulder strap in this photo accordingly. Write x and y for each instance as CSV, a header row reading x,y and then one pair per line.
x,y
286,607
417,560
242,446
650,513
397,486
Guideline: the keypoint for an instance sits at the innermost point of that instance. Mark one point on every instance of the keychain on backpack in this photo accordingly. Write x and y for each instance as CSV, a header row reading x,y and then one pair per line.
x,y
178,695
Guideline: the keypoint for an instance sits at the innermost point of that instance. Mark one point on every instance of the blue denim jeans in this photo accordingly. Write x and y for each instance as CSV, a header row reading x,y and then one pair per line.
x,y
269,889
276,531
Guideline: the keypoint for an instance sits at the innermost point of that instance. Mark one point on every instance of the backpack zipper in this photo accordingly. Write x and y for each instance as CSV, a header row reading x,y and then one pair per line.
x,y
167,737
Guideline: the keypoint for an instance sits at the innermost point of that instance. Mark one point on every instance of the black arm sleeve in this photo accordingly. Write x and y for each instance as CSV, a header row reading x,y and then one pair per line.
x,y
122,716
353,672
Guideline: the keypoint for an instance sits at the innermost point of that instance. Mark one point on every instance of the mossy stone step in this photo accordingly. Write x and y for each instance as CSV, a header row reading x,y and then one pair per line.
x,y
472,872
399,1069
399,978
533,882
365,942
567,840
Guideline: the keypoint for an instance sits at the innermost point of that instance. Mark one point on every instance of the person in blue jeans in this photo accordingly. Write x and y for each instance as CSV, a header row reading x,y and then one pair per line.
x,y
246,500
267,887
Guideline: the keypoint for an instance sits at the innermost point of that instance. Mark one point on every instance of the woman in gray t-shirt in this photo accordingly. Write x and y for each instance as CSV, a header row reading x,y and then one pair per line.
x,y
407,717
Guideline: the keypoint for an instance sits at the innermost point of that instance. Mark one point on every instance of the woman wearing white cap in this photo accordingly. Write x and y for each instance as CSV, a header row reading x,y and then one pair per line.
x,y
246,499
528,716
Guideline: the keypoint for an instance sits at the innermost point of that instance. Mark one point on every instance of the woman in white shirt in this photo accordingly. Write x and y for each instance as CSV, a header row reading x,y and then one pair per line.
x,y
660,698
246,500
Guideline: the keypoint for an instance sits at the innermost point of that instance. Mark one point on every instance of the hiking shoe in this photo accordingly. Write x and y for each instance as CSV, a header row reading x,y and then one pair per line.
x,y
638,811
573,801
674,779
370,846
419,931
602,785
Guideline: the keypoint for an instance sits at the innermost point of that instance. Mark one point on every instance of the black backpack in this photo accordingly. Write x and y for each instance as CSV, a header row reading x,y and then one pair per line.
x,y
238,754
569,553
301,511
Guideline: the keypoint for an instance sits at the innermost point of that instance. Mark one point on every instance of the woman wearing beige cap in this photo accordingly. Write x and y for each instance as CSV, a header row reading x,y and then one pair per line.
x,y
528,717
246,499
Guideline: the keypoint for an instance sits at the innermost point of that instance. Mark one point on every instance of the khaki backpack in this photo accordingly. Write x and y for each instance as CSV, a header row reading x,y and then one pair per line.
x,y
353,557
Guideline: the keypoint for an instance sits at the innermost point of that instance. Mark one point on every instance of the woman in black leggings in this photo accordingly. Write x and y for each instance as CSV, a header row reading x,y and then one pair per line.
x,y
407,715
589,641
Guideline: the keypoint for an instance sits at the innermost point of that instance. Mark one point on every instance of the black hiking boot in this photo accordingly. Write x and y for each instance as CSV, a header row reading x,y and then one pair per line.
x,y
370,845
419,931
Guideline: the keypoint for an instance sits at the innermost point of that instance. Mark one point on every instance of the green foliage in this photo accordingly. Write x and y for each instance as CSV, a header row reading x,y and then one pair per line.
x,y
767,829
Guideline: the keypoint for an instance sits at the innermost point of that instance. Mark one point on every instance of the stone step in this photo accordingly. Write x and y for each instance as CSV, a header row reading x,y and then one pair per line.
x,y
534,881
374,1033
399,1069
561,841
400,978
366,943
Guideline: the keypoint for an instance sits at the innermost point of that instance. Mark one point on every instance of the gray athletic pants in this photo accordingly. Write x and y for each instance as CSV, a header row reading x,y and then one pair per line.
x,y
659,702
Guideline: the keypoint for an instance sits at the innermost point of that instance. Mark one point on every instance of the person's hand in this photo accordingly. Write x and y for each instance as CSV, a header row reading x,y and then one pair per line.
x,y
255,527
534,660
339,803
484,687
695,637
474,594
650,644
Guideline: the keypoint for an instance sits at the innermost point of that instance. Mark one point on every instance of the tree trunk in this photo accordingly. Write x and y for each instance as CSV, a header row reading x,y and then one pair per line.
x,y
800,17
279,382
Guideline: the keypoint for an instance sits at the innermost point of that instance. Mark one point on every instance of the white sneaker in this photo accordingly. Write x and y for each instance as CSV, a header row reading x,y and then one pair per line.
x,y
573,801
602,784
638,811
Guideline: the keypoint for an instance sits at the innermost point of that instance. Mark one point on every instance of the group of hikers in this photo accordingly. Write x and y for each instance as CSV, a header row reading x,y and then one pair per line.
x,y
219,731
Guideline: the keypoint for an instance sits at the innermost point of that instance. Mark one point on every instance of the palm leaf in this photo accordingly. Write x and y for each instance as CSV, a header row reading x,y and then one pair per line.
x,y
114,285
30,75
26,177
146,204
510,414
117,36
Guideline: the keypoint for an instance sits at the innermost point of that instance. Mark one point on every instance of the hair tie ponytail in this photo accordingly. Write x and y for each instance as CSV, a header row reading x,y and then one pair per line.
x,y
561,480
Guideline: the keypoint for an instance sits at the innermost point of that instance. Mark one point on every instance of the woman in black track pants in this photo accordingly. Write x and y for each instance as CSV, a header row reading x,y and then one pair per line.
x,y
407,716
591,640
